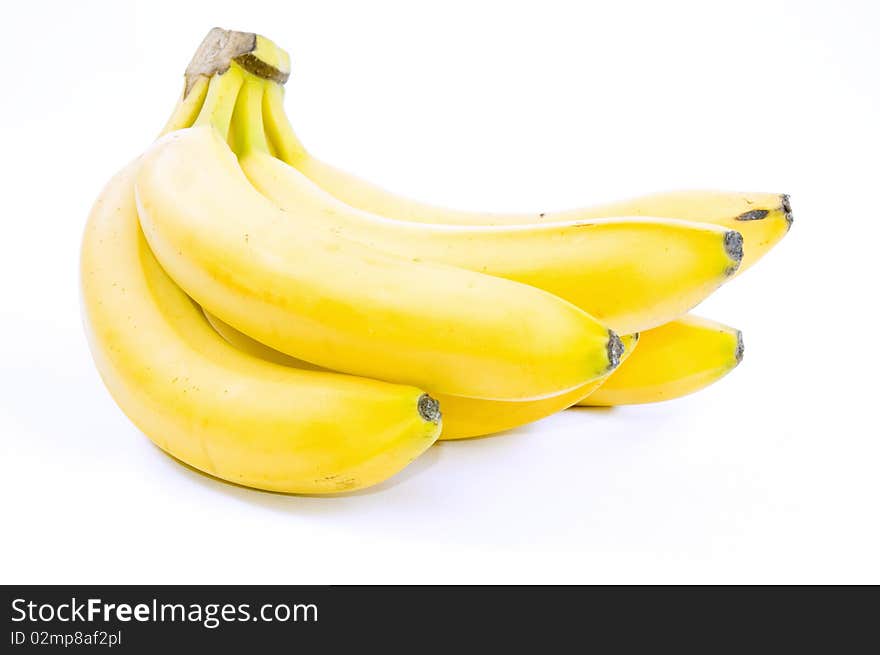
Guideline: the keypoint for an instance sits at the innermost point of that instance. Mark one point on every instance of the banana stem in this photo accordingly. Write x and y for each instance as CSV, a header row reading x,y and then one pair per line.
x,y
220,103
248,117
188,107
278,128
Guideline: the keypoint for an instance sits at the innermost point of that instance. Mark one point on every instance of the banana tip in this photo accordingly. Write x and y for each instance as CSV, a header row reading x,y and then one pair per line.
x,y
786,208
740,348
615,350
733,246
429,408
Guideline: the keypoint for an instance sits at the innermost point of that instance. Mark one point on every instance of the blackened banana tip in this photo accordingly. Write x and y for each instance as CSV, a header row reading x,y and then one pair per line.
x,y
615,350
786,208
733,246
429,408
740,347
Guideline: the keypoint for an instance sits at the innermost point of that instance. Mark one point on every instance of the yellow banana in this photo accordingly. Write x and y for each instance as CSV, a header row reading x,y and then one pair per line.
x,y
671,361
630,274
221,411
213,407
762,218
462,417
343,305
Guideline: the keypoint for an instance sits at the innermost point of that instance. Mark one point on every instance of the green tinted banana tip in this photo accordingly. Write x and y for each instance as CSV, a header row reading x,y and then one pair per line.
x,y
429,409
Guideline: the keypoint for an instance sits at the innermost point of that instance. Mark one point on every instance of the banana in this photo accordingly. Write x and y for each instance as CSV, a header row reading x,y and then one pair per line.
x,y
343,305
673,360
630,274
462,417
762,218
228,414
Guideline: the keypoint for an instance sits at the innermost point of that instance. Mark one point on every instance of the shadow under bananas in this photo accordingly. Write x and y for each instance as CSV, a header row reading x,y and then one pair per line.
x,y
593,409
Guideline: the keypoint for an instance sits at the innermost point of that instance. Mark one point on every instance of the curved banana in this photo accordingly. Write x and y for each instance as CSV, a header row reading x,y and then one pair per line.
x,y
630,274
226,413
343,305
204,402
673,360
762,218
462,417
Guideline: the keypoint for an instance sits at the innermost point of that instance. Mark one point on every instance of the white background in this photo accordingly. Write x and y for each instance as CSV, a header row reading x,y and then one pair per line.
x,y
770,476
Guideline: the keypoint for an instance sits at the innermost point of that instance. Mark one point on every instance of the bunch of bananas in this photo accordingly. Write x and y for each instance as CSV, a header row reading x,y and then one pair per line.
x,y
280,324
